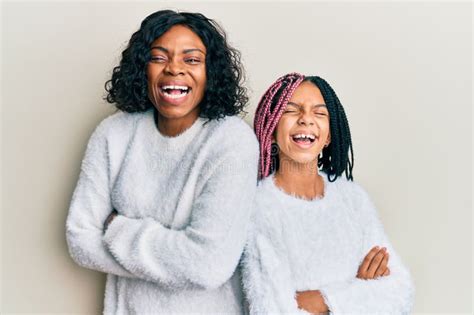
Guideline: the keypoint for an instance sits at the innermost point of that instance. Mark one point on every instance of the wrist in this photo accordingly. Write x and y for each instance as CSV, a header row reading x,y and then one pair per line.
x,y
109,219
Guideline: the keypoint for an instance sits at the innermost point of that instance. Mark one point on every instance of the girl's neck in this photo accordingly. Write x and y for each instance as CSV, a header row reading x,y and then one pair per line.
x,y
301,180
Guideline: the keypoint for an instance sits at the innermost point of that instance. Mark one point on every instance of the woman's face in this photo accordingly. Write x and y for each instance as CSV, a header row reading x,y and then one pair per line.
x,y
303,129
177,74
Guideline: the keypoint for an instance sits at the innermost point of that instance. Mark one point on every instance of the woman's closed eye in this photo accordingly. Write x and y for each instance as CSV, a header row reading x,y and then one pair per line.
x,y
192,60
158,59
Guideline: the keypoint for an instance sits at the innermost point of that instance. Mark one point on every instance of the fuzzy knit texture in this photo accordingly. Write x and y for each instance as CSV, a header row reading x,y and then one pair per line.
x,y
184,206
297,245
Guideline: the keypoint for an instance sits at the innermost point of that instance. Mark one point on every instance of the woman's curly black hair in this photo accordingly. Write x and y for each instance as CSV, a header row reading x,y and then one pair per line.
x,y
224,95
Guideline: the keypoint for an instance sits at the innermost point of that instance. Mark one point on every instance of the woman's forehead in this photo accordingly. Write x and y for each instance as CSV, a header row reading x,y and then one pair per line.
x,y
182,36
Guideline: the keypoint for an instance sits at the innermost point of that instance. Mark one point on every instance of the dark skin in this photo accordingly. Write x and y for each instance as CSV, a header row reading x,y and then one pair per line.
x,y
109,219
178,58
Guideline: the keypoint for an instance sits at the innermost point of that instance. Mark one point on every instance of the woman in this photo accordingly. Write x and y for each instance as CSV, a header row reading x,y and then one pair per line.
x,y
313,244
158,205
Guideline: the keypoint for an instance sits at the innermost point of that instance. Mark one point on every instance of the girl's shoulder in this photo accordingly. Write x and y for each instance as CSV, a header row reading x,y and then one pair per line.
x,y
346,187
353,196
267,214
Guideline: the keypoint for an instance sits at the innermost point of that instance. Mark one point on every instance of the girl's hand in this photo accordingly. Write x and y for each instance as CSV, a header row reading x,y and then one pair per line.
x,y
374,264
311,301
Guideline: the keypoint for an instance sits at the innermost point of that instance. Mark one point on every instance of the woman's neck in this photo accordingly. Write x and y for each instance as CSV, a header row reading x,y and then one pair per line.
x,y
174,127
301,180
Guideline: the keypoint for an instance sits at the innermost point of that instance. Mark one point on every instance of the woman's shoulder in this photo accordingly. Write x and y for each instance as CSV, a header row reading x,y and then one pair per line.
x,y
119,122
233,128
229,126
232,133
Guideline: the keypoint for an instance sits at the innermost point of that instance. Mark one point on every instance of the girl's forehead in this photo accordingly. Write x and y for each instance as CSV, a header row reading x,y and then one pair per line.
x,y
305,90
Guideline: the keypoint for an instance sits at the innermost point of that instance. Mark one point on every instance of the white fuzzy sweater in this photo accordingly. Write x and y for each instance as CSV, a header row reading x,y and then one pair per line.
x,y
184,206
298,245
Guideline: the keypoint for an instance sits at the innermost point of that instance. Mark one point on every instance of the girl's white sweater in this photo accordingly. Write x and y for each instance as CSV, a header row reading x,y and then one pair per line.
x,y
297,245
184,206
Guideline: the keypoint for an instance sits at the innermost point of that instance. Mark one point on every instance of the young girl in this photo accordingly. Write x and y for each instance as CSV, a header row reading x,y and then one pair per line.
x,y
316,244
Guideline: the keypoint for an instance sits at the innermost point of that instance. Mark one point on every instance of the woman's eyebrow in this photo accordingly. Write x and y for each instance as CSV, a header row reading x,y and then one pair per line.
x,y
160,48
185,51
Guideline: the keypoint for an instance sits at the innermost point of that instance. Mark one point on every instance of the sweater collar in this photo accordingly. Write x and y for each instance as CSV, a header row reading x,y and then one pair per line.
x,y
269,184
177,143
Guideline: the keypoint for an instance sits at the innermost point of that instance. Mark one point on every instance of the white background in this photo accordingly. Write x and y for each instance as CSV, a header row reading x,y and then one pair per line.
x,y
402,70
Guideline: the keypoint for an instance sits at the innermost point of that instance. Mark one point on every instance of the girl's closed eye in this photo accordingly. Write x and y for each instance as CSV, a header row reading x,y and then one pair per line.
x,y
319,113
290,110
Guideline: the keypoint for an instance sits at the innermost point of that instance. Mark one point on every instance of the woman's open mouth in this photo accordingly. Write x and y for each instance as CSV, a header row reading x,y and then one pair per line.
x,y
174,94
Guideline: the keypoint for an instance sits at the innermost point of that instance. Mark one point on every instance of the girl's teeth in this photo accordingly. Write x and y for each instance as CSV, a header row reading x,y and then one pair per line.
x,y
304,137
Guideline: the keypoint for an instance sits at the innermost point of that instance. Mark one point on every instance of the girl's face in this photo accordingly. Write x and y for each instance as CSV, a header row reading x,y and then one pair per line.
x,y
303,129
177,74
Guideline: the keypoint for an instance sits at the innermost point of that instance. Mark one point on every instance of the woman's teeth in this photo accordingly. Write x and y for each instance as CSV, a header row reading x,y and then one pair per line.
x,y
175,91
174,95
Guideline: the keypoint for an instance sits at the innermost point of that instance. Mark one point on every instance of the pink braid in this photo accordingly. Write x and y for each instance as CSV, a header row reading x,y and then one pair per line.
x,y
267,118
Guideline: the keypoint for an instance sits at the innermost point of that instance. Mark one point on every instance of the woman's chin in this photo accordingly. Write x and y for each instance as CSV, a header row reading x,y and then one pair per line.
x,y
174,113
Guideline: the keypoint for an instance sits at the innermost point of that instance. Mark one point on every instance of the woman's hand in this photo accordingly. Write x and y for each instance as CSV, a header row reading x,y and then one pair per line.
x,y
109,219
374,264
311,301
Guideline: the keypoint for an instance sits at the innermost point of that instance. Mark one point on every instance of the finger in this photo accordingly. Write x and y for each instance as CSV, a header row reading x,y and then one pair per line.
x,y
366,262
375,263
387,272
383,266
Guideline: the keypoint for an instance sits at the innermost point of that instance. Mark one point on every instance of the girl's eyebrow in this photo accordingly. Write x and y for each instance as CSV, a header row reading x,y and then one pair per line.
x,y
314,106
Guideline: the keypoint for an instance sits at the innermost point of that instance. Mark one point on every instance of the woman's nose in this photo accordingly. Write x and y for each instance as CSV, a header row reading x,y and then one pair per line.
x,y
174,67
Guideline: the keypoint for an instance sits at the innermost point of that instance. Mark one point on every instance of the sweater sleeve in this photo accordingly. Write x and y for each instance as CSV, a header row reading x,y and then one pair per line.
x,y
89,208
266,272
391,294
206,252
